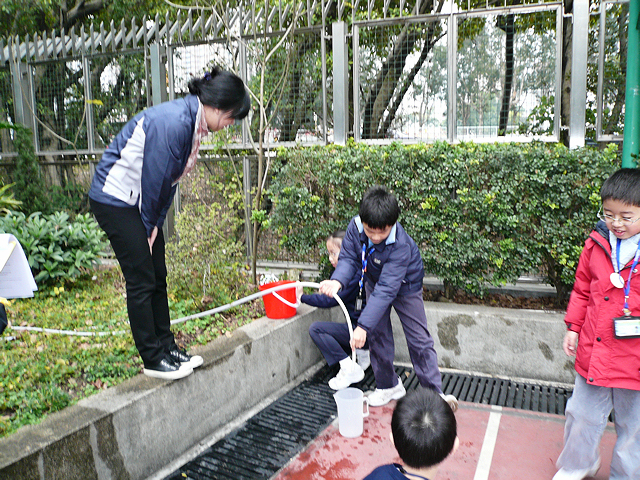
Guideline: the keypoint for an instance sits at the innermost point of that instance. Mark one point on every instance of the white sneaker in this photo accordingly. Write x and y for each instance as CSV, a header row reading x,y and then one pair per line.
x,y
451,400
382,396
363,358
564,474
352,373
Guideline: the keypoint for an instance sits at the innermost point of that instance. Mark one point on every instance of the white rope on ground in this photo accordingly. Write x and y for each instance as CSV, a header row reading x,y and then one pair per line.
x,y
206,313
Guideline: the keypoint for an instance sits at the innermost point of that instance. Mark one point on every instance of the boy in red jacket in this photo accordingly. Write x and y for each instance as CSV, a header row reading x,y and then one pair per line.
x,y
603,330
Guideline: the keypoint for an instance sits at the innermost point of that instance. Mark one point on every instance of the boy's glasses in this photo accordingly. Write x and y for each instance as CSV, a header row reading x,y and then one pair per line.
x,y
622,221
333,254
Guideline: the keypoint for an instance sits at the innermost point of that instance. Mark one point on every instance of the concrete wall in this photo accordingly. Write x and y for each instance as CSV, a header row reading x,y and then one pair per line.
x,y
497,341
133,430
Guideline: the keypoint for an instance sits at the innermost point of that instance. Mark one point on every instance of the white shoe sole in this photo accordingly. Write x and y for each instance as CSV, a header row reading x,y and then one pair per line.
x,y
180,373
341,386
195,362
396,396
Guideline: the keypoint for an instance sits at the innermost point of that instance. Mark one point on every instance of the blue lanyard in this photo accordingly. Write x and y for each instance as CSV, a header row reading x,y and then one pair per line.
x,y
627,287
365,259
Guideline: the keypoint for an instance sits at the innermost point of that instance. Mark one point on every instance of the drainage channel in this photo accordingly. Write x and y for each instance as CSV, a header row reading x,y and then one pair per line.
x,y
266,442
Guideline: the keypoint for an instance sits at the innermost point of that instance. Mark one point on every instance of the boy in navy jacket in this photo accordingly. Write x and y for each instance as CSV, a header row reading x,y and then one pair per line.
x,y
391,267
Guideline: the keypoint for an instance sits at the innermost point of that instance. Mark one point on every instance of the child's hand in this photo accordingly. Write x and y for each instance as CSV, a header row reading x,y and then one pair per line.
x,y
330,287
299,292
359,338
570,342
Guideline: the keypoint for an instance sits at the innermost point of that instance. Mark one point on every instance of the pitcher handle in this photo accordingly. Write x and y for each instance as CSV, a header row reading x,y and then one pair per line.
x,y
366,400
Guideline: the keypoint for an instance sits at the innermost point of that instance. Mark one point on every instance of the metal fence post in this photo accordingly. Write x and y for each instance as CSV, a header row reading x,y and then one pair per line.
x,y
21,89
157,57
631,143
579,47
246,186
452,78
340,83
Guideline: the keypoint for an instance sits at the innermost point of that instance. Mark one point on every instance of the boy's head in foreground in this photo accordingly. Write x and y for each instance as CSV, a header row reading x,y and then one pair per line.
x,y
379,212
620,195
424,429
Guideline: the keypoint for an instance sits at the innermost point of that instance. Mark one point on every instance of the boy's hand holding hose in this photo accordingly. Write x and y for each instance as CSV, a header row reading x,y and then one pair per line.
x,y
331,288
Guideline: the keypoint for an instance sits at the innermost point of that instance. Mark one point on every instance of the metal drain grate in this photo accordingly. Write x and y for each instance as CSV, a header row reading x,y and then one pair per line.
x,y
266,442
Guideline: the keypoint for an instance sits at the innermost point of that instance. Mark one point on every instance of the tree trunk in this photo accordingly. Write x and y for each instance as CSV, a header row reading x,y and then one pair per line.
x,y
383,89
505,23
565,99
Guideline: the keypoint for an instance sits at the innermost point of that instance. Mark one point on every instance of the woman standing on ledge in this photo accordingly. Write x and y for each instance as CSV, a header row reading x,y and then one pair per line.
x,y
132,190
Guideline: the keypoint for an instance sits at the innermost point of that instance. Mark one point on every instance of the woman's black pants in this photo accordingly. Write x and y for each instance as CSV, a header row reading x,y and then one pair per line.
x,y
145,274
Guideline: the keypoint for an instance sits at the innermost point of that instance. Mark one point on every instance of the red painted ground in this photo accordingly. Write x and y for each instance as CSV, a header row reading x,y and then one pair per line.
x,y
526,448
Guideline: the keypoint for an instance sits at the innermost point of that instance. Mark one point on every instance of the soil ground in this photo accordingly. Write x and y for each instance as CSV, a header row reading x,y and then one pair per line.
x,y
498,300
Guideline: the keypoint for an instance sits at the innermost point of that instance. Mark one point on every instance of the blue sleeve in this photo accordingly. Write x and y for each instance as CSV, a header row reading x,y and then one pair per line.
x,y
166,145
348,295
163,213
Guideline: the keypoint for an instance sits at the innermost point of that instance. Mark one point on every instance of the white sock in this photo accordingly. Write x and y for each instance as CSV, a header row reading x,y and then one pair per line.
x,y
347,364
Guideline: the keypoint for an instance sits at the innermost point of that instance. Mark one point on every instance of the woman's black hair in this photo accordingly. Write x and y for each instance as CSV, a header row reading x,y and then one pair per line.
x,y
222,90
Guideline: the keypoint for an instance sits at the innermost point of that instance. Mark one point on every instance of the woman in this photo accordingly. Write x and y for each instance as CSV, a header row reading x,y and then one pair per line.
x,y
131,192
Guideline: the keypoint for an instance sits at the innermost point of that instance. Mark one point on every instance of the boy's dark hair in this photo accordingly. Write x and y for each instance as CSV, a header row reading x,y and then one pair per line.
x,y
337,235
424,428
379,208
222,90
623,185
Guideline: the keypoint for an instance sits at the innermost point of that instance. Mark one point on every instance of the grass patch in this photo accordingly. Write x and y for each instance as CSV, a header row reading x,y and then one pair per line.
x,y
41,373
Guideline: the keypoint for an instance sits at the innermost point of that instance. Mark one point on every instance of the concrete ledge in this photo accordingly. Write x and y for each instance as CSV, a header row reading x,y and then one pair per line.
x,y
135,429
497,341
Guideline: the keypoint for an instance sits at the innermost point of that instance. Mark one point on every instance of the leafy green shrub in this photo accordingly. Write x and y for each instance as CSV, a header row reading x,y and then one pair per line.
x,y
7,200
206,263
482,214
57,249
30,187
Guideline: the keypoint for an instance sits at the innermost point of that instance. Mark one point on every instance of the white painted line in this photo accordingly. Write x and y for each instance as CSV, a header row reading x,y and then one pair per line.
x,y
488,445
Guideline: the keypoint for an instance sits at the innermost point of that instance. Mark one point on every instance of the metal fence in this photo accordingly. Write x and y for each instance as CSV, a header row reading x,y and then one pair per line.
x,y
463,76
408,71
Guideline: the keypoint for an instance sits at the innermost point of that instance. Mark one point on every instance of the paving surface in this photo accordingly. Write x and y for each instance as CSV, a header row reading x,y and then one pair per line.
x,y
297,438
496,443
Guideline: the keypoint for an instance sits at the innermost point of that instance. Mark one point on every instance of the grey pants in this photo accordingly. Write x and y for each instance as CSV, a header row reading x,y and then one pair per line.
x,y
586,418
410,310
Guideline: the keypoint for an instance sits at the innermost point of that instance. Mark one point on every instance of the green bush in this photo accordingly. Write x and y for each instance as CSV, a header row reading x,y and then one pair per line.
x,y
7,201
206,263
30,187
58,249
482,214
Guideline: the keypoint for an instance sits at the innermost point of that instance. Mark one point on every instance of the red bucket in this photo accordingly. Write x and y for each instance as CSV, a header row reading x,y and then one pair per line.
x,y
274,308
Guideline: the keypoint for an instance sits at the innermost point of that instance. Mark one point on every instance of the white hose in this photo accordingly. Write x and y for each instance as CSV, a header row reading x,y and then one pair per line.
x,y
213,311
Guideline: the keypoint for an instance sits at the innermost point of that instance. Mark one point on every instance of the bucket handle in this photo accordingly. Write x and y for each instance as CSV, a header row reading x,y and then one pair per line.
x,y
285,301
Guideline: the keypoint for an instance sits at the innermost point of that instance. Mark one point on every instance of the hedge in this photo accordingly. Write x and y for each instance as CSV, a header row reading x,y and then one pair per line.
x,y
482,214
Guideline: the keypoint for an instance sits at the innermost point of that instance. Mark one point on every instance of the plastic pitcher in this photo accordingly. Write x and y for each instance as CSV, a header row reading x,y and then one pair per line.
x,y
350,411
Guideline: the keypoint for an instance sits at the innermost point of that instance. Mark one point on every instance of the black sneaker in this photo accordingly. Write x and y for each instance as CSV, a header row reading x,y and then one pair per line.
x,y
180,356
167,369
